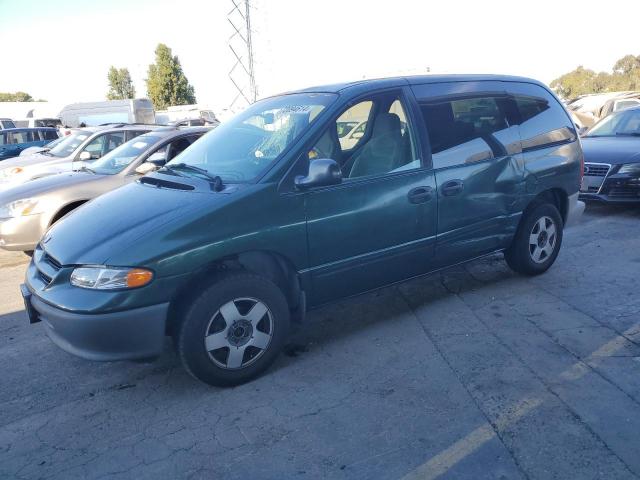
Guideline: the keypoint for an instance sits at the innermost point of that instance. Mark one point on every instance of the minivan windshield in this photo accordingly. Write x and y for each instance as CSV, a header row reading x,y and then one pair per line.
x,y
622,123
119,158
244,146
69,144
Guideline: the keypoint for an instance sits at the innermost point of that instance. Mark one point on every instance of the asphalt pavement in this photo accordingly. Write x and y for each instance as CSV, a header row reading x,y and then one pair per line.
x,y
473,373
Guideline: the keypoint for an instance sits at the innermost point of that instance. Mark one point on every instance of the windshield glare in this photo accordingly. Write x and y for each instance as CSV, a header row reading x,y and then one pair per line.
x,y
246,145
626,122
119,158
67,146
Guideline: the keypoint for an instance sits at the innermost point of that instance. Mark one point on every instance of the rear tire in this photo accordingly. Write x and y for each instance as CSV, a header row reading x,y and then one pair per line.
x,y
537,242
234,330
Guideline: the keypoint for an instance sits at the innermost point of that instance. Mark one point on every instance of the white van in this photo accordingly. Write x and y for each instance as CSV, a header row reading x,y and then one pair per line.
x,y
90,114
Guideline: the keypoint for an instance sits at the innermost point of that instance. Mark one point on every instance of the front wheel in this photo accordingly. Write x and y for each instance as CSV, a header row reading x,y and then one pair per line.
x,y
233,330
537,241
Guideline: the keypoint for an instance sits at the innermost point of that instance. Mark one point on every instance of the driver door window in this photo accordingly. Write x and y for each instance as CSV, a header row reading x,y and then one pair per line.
x,y
381,142
95,146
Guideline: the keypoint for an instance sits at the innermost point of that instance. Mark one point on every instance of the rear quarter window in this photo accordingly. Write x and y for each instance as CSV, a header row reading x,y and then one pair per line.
x,y
543,122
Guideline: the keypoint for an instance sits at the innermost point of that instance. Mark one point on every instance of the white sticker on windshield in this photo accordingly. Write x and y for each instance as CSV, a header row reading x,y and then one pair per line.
x,y
139,145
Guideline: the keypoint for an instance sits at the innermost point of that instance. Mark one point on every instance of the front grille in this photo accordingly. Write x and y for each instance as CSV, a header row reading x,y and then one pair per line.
x,y
47,267
45,278
596,169
51,261
624,192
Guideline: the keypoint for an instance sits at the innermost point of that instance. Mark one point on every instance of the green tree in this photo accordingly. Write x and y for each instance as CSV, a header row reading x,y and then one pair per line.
x,y
166,82
16,97
120,84
624,76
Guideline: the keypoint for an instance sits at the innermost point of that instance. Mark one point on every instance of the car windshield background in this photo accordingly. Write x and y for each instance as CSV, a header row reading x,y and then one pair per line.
x,y
121,157
69,144
246,145
626,122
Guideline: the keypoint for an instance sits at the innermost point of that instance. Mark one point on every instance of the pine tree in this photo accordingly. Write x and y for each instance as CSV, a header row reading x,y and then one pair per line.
x,y
166,82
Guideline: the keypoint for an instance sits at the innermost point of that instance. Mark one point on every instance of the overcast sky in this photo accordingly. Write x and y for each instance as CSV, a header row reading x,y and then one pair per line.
x,y
61,50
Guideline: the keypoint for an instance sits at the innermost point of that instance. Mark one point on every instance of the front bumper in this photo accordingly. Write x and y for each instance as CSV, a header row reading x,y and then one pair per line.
x,y
616,188
21,233
131,334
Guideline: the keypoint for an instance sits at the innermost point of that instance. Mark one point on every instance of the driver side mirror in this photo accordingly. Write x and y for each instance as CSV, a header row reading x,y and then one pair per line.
x,y
146,167
322,172
84,156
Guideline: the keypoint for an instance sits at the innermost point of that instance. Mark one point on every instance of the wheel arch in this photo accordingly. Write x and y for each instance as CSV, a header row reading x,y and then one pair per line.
x,y
558,197
66,209
269,264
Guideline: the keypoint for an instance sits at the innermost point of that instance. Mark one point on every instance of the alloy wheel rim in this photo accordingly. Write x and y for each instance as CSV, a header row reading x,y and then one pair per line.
x,y
542,239
239,333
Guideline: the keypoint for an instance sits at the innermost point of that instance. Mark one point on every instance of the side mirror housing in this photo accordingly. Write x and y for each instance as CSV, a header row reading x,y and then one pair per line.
x,y
146,167
322,172
84,156
158,159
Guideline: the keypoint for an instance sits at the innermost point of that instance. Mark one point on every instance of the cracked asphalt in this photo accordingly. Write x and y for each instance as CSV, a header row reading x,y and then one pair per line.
x,y
474,373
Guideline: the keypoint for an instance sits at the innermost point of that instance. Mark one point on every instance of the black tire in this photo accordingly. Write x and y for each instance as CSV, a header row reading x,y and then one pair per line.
x,y
200,316
520,255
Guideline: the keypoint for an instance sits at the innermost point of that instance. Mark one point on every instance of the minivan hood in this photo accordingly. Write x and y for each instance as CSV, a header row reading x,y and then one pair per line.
x,y
613,150
107,225
45,185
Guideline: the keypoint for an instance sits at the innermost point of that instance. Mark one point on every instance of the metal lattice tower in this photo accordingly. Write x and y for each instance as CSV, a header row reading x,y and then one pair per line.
x,y
242,74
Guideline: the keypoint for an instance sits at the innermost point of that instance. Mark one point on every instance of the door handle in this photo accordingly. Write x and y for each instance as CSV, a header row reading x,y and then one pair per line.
x,y
420,194
452,187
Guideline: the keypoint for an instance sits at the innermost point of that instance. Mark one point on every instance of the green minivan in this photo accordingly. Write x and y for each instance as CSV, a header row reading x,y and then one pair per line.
x,y
274,213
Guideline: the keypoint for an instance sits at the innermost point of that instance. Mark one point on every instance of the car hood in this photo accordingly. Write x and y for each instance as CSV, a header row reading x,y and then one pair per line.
x,y
613,150
25,160
108,225
36,167
52,183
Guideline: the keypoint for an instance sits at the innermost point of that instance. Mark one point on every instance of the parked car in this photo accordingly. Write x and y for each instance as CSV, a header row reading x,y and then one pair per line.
x,y
46,146
14,140
266,217
38,122
627,100
6,123
139,110
34,206
85,145
612,159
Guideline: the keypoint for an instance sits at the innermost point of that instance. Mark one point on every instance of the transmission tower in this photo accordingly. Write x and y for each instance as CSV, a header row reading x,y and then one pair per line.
x,y
242,74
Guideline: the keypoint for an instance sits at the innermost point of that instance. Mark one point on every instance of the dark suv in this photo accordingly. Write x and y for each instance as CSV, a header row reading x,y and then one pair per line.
x,y
270,215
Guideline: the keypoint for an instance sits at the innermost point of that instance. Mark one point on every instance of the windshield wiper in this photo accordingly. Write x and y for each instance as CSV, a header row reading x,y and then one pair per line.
x,y
628,134
214,179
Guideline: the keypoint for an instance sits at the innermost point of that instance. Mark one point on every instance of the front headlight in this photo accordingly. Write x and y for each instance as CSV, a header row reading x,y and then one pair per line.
x,y
9,172
20,208
110,278
632,168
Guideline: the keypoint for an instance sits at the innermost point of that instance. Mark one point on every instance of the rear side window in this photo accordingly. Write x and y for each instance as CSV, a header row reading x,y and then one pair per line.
x,y
543,121
468,130
33,136
49,134
18,137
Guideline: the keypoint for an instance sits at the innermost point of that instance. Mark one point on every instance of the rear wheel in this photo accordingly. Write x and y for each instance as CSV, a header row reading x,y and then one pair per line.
x,y
233,330
537,241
